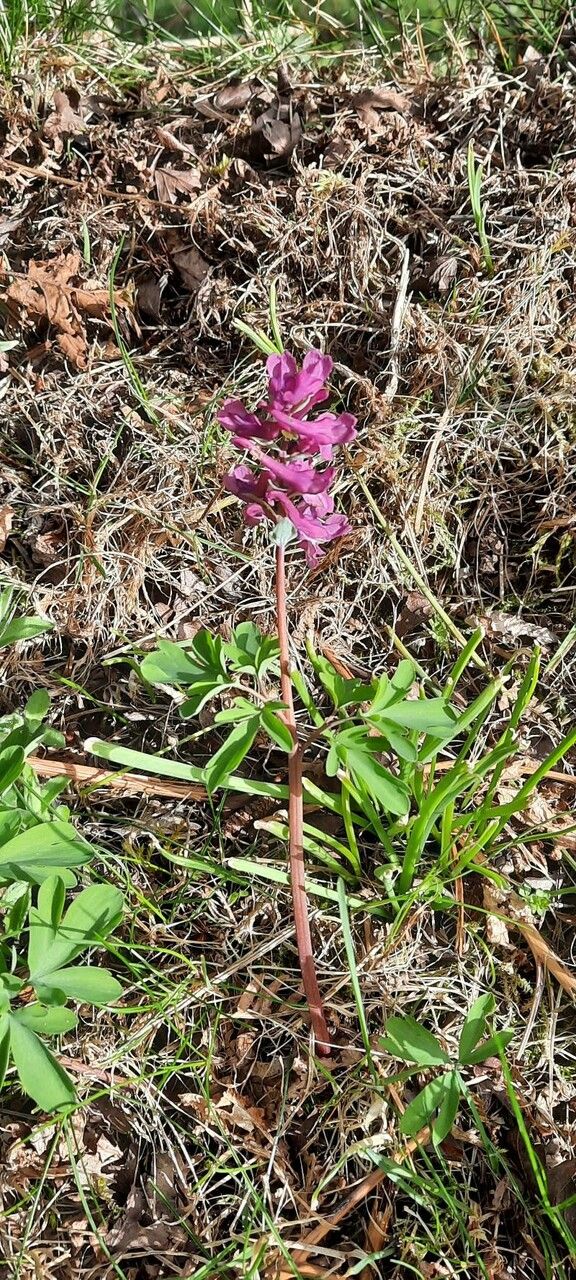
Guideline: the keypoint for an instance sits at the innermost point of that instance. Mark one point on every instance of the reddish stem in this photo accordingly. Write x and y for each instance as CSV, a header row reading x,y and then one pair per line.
x,y
296,825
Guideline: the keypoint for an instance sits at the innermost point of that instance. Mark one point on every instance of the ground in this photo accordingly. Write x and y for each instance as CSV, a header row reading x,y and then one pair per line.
x,y
150,202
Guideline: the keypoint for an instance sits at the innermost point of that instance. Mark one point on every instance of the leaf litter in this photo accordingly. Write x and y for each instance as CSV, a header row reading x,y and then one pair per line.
x,y
332,188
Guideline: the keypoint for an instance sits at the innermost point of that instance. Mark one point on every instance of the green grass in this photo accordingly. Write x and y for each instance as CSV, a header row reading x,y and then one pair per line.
x,y
328,26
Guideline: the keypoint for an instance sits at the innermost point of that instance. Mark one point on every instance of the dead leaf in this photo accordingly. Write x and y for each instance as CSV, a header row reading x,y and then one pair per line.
x,y
240,171
73,347
562,1186
545,956
370,101
172,142
48,546
496,930
444,274
511,627
10,224
281,128
6,514
149,297
283,81
95,303
243,1116
235,95
46,293
170,183
338,151
191,266
64,120
158,1201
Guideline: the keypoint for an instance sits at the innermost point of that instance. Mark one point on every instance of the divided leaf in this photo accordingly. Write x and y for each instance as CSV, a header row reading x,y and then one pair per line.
x,y
231,753
490,1048
474,1026
435,1107
174,664
89,918
406,1039
41,850
40,1075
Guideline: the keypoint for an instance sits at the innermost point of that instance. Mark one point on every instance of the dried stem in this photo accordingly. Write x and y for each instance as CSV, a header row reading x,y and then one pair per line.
x,y
296,825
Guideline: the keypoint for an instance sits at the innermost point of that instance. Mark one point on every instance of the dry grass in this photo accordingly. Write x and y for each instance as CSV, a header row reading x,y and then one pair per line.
x,y
226,1143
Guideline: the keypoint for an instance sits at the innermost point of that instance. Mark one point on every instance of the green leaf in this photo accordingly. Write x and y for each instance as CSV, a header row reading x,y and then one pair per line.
x,y
448,1109
426,715
85,983
474,1026
278,729
209,649
41,851
421,1111
89,918
267,656
250,651
11,985
241,709
22,629
46,1021
204,690
18,907
490,1048
44,920
37,705
333,762
40,1075
190,773
404,676
406,1039
400,744
231,753
4,1048
11,764
169,664
247,638
380,784
346,693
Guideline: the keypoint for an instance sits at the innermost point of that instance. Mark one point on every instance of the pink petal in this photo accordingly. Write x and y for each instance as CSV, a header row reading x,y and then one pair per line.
x,y
245,484
236,417
297,477
298,390
309,526
320,434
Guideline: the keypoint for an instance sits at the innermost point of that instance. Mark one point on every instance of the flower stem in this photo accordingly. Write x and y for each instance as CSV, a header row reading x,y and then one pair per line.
x,y
296,825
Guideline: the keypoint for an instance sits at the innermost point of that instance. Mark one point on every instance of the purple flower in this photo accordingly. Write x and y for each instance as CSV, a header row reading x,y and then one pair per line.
x,y
320,435
296,476
297,390
245,425
313,516
285,482
312,528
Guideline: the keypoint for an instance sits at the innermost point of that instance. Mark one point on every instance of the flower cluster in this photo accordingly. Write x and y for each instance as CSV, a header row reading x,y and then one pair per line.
x,y
286,481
